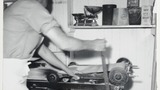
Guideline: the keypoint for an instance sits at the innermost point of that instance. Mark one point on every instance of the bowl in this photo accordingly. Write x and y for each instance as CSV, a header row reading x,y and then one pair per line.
x,y
93,9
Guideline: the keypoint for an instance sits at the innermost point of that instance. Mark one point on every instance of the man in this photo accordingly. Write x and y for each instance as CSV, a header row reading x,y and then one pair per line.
x,y
25,24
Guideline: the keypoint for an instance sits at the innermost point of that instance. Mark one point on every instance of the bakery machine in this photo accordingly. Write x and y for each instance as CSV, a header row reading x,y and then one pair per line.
x,y
118,75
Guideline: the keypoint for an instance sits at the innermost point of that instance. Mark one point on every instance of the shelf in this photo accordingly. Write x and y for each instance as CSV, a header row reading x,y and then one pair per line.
x,y
10,0
112,27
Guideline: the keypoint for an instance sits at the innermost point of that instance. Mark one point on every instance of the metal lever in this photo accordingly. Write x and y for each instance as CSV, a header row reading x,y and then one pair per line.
x,y
105,70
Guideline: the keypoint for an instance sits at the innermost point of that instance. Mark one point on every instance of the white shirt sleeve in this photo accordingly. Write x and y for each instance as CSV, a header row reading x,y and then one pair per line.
x,y
40,19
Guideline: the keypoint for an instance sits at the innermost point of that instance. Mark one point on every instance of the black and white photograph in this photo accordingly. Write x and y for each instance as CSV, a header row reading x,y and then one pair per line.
x,y
80,45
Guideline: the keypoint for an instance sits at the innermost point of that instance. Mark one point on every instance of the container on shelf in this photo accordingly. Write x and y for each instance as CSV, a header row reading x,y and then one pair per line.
x,y
107,16
120,16
132,3
146,15
134,15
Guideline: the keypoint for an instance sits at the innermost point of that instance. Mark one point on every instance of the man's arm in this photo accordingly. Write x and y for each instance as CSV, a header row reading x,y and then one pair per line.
x,y
43,22
47,55
68,43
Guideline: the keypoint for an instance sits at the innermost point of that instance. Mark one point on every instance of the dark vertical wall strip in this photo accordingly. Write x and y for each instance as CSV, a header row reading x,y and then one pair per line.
x,y
49,5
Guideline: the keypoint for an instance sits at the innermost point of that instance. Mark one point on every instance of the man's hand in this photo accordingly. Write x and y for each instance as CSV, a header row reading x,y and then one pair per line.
x,y
98,45
71,73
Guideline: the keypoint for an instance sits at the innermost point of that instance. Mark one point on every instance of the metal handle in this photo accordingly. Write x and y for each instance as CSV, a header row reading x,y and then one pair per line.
x,y
105,70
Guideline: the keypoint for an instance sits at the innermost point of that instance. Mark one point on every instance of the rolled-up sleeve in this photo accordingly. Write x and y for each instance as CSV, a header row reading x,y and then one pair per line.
x,y
40,19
